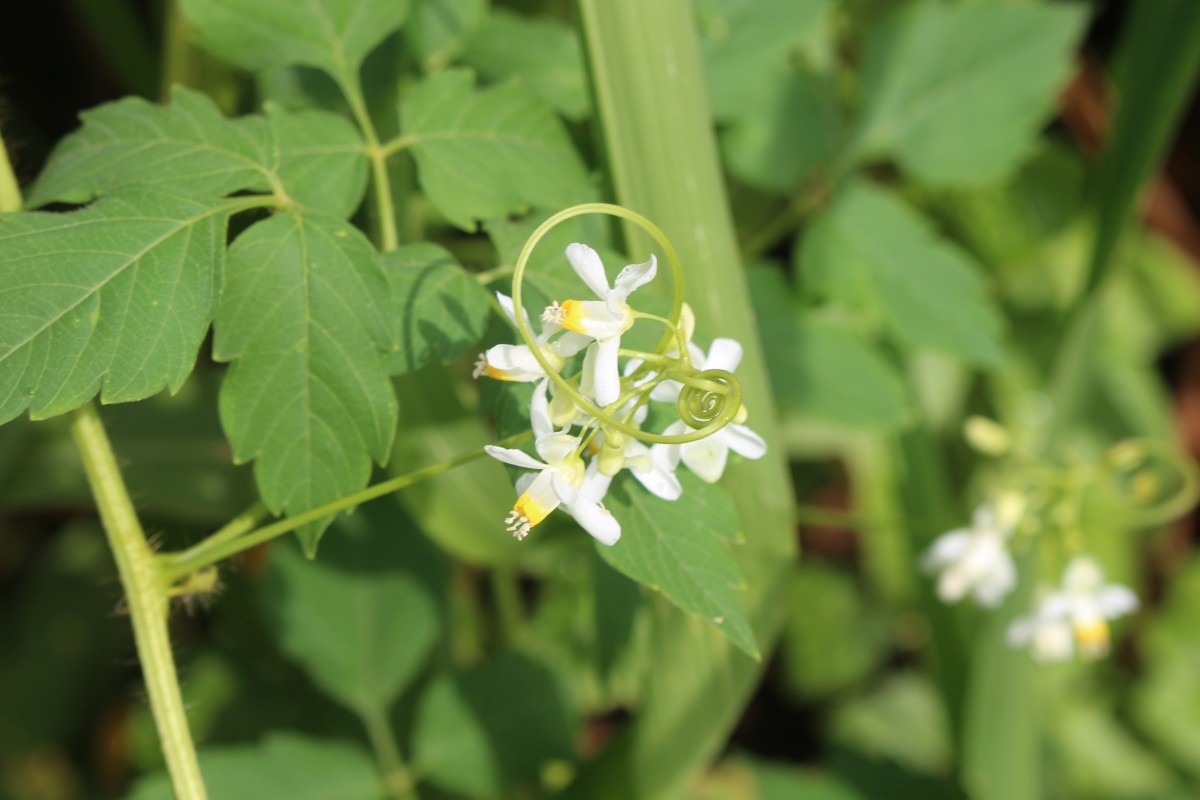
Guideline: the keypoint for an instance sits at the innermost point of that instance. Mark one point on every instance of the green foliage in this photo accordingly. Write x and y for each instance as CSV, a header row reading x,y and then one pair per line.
x,y
541,52
875,254
334,35
823,371
488,153
486,731
438,29
680,549
283,764
304,304
149,256
956,93
440,309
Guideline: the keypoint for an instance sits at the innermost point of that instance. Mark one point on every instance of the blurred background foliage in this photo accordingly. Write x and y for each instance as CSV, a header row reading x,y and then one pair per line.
x,y
926,196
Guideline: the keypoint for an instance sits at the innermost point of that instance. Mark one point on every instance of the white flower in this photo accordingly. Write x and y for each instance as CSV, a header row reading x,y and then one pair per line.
x,y
706,457
1082,606
974,560
1048,635
516,362
603,320
652,466
560,480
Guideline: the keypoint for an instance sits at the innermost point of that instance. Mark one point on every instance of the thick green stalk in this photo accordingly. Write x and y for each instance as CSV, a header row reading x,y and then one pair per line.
x,y
146,597
647,80
10,191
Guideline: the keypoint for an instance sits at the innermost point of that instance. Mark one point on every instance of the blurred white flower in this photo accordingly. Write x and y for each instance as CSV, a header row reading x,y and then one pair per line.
x,y
974,560
1079,610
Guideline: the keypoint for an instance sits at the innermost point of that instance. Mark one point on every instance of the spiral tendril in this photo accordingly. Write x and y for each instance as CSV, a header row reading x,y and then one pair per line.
x,y
708,397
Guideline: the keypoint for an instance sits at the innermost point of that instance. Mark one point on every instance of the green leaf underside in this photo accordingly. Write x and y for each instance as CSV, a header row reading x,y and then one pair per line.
x,y
315,157
742,40
872,249
283,765
439,308
303,320
359,623
333,35
956,93
114,298
438,29
822,371
680,549
542,52
490,153
482,731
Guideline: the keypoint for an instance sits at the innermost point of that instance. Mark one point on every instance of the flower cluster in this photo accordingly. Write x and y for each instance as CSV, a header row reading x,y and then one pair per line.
x,y
563,411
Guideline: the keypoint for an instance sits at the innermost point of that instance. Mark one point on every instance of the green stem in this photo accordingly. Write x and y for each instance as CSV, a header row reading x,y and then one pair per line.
x,y
378,156
177,565
507,595
393,146
400,782
146,596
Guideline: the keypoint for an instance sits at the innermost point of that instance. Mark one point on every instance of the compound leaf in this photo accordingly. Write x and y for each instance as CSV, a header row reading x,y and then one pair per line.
x,y
490,153
114,298
303,320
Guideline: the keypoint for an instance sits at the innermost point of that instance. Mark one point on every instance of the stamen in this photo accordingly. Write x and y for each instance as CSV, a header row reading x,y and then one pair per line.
x,y
518,524
554,313
481,365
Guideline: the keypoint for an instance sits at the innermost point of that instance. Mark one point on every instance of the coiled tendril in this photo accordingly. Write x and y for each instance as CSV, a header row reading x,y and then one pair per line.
x,y
1155,483
722,385
710,397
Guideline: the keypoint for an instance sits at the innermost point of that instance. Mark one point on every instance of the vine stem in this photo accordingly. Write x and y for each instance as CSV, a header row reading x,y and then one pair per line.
x,y
219,546
146,596
400,783
377,154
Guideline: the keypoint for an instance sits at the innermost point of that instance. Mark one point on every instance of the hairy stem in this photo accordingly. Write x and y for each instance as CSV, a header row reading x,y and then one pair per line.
x,y
177,565
146,596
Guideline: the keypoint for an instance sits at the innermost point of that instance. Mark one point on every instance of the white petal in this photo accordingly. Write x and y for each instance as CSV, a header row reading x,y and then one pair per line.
x,y
629,279
671,452
525,480
744,441
606,376
666,392
514,457
1020,631
947,548
563,488
706,457
723,354
507,304
556,447
997,583
597,521
595,320
569,344
539,411
587,265
1083,575
659,479
1116,600
595,483
514,362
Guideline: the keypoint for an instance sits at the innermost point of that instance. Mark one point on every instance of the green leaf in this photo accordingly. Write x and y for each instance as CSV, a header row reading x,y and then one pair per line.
x,y
871,249
541,52
818,658
1161,56
820,370
742,40
334,35
680,549
489,153
187,146
438,29
439,308
321,161
957,93
902,720
786,126
483,732
750,779
302,318
315,157
283,765
1099,757
147,256
361,619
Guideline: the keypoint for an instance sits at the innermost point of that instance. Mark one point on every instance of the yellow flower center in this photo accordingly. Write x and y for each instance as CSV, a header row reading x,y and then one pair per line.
x,y
1092,637
572,315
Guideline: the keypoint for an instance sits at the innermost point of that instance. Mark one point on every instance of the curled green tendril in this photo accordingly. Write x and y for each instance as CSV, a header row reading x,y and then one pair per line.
x,y
708,397
727,386
1132,463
